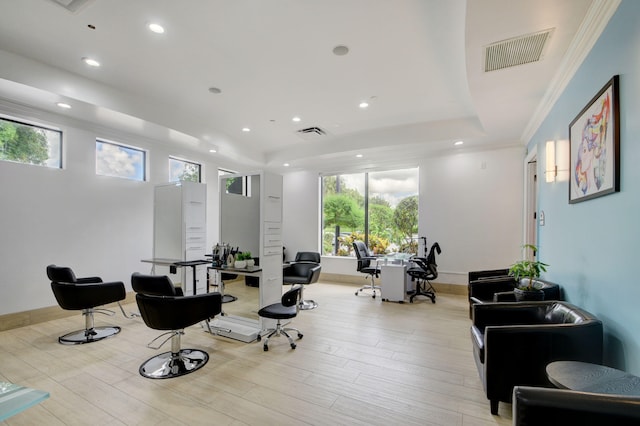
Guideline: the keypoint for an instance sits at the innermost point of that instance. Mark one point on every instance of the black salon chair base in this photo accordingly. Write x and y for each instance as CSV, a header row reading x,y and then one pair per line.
x,y
175,363
287,308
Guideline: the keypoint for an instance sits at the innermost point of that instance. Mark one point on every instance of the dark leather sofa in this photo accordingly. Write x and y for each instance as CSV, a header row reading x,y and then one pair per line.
x,y
541,406
500,289
514,342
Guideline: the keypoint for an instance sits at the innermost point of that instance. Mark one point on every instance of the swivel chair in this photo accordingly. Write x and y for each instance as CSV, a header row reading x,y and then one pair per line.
x,y
304,270
424,271
367,264
84,294
287,308
163,308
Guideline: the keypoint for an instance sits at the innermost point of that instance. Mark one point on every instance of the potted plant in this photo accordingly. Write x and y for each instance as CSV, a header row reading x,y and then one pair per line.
x,y
530,269
249,259
241,260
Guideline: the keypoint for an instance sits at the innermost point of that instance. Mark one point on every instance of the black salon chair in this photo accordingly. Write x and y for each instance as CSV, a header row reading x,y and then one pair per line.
x,y
287,308
163,307
423,272
304,270
367,264
84,294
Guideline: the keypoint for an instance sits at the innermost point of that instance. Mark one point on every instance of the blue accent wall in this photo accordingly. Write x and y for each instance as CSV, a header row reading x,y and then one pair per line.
x,y
593,247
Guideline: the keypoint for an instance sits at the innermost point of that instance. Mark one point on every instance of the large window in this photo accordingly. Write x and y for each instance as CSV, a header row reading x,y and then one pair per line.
x,y
182,170
30,144
379,208
113,159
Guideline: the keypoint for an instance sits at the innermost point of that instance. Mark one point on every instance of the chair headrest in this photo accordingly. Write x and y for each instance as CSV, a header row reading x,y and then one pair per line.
x,y
308,256
158,285
61,274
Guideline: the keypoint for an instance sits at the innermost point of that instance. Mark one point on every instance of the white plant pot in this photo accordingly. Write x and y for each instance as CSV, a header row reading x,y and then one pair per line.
x,y
250,263
240,264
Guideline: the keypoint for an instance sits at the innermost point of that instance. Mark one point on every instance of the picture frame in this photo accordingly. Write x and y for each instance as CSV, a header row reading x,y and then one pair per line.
x,y
594,146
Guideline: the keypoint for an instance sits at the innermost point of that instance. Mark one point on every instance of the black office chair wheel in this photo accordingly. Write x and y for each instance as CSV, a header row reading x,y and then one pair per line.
x,y
374,296
293,346
300,336
265,348
356,293
259,338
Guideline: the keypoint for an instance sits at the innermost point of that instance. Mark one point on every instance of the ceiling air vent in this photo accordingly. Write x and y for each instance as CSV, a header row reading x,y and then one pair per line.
x,y
72,5
516,51
311,133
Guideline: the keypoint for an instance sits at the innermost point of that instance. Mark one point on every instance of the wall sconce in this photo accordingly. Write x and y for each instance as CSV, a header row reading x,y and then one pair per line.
x,y
551,169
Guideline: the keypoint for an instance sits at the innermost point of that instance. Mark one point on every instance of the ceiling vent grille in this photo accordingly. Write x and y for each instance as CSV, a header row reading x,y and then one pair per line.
x,y
311,133
516,51
72,5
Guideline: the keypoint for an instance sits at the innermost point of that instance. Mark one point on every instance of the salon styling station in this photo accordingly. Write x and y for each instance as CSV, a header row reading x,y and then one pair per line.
x,y
251,218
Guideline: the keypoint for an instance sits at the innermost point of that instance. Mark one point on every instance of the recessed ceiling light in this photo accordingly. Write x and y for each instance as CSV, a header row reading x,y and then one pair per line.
x,y
63,105
458,143
296,119
213,150
359,155
246,129
91,62
156,28
340,50
364,105
286,164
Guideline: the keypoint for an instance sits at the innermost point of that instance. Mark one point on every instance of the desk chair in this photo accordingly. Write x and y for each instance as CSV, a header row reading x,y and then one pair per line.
x,y
286,309
162,307
85,294
424,271
367,264
304,270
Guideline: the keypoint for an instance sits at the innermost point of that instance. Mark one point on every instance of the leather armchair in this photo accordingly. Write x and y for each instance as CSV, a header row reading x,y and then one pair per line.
x,y
541,406
304,270
514,342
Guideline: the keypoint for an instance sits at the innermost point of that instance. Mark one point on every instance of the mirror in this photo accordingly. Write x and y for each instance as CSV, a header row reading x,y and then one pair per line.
x,y
240,227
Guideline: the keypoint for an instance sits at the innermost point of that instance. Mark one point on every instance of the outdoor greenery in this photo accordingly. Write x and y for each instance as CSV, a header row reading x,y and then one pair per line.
x,y
23,144
389,228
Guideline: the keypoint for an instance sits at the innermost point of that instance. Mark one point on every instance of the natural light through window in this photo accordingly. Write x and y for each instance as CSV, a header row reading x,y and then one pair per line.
x,y
30,144
379,208
113,159
183,170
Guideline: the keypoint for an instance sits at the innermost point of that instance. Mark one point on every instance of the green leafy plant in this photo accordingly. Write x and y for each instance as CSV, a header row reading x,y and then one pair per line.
x,y
530,269
245,255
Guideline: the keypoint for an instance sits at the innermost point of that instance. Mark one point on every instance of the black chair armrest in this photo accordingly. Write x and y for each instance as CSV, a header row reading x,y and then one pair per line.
x,y
532,406
89,280
484,289
504,296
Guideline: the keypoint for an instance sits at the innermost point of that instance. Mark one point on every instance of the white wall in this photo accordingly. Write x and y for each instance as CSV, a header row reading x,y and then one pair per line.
x,y
95,224
470,203
300,212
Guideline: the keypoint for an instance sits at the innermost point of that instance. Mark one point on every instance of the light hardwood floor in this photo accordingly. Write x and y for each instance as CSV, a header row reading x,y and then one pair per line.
x,y
361,362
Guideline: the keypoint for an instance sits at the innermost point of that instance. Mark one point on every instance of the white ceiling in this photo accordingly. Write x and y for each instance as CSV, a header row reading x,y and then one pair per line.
x,y
419,63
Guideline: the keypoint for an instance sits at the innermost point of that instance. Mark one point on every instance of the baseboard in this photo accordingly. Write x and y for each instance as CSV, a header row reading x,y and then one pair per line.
x,y
36,316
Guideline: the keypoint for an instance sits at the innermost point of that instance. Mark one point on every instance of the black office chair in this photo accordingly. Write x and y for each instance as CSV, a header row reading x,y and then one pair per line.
x,y
304,270
164,308
424,271
286,309
84,294
367,264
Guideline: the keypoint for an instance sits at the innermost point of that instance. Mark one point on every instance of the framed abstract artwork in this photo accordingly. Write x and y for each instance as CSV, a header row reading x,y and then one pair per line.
x,y
594,146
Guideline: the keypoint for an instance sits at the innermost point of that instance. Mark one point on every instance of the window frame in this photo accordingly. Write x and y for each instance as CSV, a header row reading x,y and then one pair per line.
x,y
184,161
143,162
32,124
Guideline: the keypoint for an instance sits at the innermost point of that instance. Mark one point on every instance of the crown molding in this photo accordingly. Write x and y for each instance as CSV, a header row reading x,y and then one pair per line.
x,y
594,23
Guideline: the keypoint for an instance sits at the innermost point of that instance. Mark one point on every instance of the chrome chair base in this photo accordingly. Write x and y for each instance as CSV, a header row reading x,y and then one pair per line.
x,y
277,332
306,305
371,286
168,364
88,335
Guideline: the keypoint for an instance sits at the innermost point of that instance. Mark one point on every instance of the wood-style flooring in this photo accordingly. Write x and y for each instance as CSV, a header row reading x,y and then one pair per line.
x,y
361,362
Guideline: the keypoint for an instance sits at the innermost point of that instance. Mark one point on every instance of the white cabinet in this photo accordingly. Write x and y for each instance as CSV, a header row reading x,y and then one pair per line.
x,y
180,231
393,286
